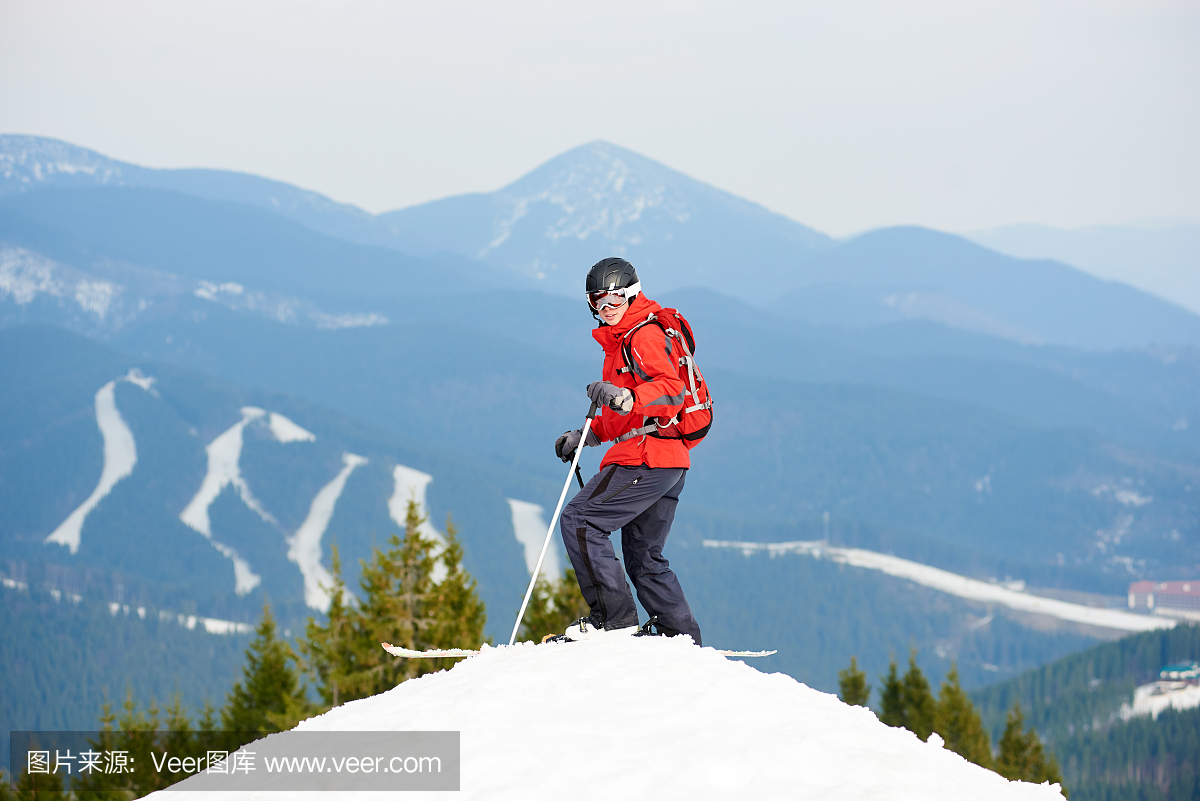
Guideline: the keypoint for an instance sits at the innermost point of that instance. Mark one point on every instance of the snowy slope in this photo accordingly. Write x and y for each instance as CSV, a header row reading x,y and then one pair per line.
x,y
656,718
598,200
954,584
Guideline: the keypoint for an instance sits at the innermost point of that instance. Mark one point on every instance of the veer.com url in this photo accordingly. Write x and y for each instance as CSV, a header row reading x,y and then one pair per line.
x,y
377,764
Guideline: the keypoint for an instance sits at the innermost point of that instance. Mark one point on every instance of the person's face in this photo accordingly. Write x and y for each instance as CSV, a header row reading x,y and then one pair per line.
x,y
611,315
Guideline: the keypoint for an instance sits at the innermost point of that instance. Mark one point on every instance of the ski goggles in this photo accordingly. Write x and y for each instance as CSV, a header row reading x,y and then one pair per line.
x,y
603,298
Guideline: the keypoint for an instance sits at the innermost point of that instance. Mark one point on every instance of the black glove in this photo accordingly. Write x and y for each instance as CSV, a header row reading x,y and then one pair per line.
x,y
619,399
564,446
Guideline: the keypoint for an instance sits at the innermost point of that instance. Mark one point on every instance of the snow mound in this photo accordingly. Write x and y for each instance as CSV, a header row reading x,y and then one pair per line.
x,y
658,718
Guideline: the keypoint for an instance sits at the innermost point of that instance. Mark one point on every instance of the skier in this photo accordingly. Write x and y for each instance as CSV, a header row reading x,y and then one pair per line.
x,y
638,485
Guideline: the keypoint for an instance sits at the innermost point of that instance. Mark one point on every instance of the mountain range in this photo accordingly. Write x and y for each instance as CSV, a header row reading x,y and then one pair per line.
x,y
1160,256
286,371
600,199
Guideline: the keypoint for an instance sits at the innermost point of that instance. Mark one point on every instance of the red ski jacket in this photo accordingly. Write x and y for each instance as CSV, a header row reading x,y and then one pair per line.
x,y
661,397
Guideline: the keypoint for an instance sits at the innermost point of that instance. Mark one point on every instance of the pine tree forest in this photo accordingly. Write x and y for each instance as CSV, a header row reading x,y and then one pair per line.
x,y
908,702
414,592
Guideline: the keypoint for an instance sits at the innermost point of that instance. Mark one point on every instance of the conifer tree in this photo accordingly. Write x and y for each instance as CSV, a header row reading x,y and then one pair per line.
x,y
6,790
555,605
94,784
1022,756
959,723
402,605
395,585
919,706
852,685
458,612
269,684
327,652
892,697
39,787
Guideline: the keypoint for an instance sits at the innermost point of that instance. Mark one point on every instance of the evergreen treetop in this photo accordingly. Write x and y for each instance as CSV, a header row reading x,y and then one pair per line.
x,y
852,685
919,707
400,604
1022,756
892,698
959,724
269,684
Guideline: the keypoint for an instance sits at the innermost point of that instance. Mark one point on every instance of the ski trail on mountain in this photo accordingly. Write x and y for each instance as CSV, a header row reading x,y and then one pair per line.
x,y
224,469
304,547
411,484
530,530
120,457
954,584
286,431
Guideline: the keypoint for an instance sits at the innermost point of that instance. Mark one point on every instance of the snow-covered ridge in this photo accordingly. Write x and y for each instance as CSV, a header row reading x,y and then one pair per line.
x,y
282,308
26,161
595,193
674,722
24,276
110,301
954,584
120,457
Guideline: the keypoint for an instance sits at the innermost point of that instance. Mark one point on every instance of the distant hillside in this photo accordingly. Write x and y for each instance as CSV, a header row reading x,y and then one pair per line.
x,y
156,237
1156,257
1084,691
75,411
29,163
913,273
60,660
1074,705
545,228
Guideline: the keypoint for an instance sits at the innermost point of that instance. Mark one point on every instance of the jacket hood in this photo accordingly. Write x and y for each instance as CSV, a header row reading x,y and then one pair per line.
x,y
609,336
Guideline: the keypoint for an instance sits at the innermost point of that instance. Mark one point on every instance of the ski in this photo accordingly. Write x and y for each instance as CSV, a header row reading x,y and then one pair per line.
x,y
445,653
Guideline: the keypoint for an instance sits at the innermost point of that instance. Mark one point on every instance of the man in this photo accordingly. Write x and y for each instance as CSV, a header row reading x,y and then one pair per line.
x,y
641,476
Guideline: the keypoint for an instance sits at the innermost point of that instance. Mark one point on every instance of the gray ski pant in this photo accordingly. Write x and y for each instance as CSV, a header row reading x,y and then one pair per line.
x,y
641,502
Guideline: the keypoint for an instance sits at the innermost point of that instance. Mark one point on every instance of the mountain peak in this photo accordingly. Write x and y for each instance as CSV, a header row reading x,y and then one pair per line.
x,y
28,161
597,189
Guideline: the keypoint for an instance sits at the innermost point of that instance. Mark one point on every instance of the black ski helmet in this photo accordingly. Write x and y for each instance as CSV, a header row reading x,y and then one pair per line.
x,y
611,273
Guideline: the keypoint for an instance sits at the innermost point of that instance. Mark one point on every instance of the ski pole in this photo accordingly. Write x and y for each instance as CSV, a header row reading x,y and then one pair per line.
x,y
587,424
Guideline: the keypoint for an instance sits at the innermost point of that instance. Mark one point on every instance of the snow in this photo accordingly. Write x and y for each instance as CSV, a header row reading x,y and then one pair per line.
x,y
598,194
652,718
530,530
120,457
282,308
285,430
304,547
1156,698
954,584
224,456
214,626
410,484
24,275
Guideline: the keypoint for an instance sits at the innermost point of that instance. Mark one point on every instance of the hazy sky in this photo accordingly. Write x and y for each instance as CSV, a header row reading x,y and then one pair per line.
x,y
843,115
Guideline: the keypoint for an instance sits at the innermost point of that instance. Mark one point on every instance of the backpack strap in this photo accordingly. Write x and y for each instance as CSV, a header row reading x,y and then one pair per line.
x,y
650,429
631,365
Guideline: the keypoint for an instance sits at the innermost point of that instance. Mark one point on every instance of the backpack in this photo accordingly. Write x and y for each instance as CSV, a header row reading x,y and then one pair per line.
x,y
695,418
